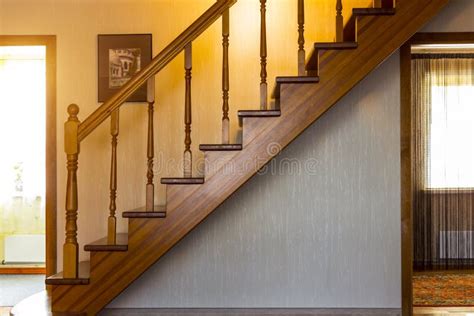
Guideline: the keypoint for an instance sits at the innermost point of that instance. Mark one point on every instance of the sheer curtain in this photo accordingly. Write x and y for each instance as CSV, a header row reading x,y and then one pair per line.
x,y
443,98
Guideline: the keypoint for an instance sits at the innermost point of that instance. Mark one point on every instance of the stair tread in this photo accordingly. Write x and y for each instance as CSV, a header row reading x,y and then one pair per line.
x,y
259,113
83,278
297,79
335,45
180,181
312,62
121,244
373,11
159,211
220,147
292,80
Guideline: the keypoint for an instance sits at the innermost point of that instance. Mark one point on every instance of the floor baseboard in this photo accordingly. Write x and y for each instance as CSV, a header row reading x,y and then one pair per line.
x,y
251,312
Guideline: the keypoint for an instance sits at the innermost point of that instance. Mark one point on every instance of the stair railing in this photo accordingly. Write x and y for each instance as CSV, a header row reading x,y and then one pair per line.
x,y
76,131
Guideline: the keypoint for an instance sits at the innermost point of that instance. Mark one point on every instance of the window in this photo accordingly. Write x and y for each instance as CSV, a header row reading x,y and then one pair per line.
x,y
451,139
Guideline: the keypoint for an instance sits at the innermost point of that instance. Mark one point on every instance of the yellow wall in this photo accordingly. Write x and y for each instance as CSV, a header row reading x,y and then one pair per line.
x,y
77,23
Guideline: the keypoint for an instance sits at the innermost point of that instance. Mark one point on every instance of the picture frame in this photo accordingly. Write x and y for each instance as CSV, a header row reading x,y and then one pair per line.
x,y
120,56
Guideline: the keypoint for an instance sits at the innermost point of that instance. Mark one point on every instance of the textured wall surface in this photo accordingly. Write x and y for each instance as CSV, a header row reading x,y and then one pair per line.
x,y
326,238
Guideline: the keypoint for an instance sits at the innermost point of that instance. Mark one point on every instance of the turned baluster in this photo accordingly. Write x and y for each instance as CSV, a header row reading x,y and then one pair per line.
x,y
71,147
112,221
225,77
187,162
263,56
150,187
301,41
339,22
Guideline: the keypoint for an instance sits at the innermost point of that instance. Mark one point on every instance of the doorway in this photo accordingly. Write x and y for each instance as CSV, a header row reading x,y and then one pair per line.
x,y
28,160
437,175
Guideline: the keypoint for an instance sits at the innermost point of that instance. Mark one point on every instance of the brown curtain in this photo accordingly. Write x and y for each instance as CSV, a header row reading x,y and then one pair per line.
x,y
443,99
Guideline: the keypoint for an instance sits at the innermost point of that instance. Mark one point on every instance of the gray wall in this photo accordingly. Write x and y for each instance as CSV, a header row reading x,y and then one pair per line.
x,y
329,238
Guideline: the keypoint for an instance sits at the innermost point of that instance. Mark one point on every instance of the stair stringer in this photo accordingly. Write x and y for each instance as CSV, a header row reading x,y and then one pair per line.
x,y
188,206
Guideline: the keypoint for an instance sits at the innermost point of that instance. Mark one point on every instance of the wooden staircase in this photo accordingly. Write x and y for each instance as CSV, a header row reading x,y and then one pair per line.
x,y
332,70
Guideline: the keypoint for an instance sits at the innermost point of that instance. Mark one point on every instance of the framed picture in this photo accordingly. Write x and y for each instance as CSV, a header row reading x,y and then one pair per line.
x,y
120,57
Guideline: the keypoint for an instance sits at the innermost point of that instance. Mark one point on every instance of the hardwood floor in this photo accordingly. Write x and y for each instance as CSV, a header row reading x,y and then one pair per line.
x,y
438,311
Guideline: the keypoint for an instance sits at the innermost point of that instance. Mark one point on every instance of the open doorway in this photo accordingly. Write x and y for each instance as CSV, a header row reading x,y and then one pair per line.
x,y
437,176
27,164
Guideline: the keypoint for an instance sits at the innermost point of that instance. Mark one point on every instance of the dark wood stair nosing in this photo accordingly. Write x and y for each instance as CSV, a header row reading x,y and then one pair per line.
x,y
297,79
182,181
131,214
220,147
335,45
373,11
259,113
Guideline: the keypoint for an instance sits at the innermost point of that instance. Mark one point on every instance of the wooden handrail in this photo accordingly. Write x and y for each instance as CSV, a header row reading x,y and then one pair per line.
x,y
156,65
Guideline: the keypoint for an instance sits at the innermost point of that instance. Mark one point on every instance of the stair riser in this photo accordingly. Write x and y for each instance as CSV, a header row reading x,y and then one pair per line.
x,y
253,126
214,161
174,194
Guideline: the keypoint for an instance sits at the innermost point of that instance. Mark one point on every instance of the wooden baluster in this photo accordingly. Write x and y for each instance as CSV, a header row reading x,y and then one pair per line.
x,y
225,78
187,162
377,3
301,41
263,56
71,147
339,22
150,187
112,221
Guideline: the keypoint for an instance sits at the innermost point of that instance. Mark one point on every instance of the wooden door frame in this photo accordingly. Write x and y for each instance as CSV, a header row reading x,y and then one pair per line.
x,y
406,148
49,41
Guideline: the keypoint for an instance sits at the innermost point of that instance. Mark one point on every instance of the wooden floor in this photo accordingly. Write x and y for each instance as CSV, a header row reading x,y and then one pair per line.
x,y
435,311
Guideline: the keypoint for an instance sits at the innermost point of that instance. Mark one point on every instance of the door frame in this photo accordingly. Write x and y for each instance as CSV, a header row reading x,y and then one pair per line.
x,y
406,151
49,41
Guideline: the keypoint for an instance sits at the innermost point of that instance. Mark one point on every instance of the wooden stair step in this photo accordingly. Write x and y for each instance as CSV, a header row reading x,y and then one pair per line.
x,y
82,279
159,211
220,147
292,80
121,244
182,181
373,11
335,45
312,63
259,113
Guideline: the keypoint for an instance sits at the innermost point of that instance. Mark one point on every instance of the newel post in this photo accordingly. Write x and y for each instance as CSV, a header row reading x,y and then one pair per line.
x,y
71,147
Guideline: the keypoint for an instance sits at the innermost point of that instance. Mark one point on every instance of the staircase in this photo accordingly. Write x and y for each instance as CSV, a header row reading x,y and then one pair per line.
x,y
330,71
